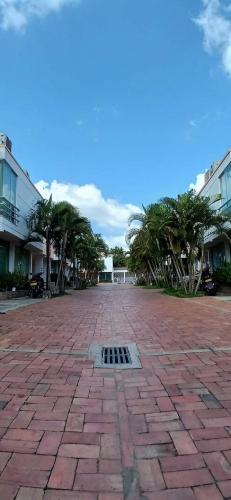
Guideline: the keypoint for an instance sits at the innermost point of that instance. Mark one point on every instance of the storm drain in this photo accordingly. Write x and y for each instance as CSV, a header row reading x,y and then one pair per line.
x,y
115,356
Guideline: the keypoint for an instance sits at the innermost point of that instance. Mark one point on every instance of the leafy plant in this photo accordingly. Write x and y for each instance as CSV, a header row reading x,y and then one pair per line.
x,y
12,280
223,275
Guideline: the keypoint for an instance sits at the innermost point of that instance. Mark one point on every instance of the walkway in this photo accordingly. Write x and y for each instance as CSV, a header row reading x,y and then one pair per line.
x,y
71,432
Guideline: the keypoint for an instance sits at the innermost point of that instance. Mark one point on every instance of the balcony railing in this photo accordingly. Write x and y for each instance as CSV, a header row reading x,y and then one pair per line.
x,y
226,208
9,211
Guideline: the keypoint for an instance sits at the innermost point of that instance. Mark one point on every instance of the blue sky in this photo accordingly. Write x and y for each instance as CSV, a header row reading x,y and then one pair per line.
x,y
118,101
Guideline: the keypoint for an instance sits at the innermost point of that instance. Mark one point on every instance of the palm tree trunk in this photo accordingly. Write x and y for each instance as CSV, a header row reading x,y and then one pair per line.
x,y
201,269
152,272
47,259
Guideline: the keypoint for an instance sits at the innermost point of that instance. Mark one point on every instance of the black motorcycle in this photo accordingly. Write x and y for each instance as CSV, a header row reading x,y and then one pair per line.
x,y
208,285
36,286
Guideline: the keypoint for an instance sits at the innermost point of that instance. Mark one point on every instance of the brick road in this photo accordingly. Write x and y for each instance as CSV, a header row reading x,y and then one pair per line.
x,y
72,432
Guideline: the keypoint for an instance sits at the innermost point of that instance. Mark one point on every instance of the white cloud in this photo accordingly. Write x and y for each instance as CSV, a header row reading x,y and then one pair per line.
x,y
119,241
105,212
200,180
15,14
192,123
215,23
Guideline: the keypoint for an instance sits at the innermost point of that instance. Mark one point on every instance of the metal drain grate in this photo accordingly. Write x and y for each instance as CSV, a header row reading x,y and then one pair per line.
x,y
109,355
116,356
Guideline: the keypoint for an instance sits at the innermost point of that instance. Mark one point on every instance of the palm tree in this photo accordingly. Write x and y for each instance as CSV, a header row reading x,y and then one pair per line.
x,y
172,234
41,224
70,224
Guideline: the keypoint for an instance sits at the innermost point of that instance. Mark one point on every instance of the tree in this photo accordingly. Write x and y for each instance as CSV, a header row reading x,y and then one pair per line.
x,y
42,226
119,256
70,224
170,239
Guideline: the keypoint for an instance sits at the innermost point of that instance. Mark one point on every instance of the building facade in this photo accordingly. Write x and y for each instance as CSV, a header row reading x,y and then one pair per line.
x,y
113,274
18,196
218,184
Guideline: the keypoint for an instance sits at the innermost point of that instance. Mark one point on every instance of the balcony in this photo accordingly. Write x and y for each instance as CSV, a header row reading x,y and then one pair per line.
x,y
8,211
226,208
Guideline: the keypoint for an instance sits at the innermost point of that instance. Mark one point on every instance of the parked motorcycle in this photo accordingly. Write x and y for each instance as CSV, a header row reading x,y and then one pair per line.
x,y
36,286
208,285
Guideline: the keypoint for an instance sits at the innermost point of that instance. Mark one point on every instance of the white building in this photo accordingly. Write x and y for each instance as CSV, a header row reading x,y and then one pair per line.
x,y
218,183
113,274
18,196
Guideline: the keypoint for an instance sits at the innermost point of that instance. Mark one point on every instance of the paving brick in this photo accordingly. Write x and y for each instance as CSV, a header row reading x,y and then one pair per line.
x,y
163,416
179,494
170,395
8,491
214,444
211,433
151,438
151,478
100,428
74,423
110,466
183,443
4,458
187,478
80,438
225,488
111,496
63,473
210,492
154,451
23,435
99,483
30,494
79,451
87,466
165,426
218,465
50,443
68,495
110,447
47,425
184,462
18,446
165,404
22,420
138,423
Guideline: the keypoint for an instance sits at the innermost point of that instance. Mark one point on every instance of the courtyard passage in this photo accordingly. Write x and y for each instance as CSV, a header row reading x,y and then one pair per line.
x,y
69,431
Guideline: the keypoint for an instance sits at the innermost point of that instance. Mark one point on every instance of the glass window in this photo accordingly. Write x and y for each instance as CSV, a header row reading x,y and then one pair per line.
x,y
1,177
225,180
21,260
4,257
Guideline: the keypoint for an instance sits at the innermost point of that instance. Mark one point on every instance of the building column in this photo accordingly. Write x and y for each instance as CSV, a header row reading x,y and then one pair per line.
x,y
11,256
112,276
227,252
30,264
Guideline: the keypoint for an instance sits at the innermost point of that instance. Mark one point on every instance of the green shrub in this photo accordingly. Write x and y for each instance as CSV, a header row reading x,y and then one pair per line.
x,y
223,275
10,280
141,282
180,293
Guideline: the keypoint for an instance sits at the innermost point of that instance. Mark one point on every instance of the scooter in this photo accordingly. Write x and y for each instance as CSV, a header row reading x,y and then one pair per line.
x,y
208,285
36,286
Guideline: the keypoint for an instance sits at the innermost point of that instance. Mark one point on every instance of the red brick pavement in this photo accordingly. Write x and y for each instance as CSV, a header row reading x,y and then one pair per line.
x,y
72,432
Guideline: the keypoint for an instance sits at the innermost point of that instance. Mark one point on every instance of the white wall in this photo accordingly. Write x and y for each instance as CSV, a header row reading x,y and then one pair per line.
x,y
213,188
26,197
108,263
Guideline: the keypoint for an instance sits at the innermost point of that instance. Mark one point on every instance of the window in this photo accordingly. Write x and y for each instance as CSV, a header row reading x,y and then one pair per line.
x,y
7,182
4,257
22,258
225,180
